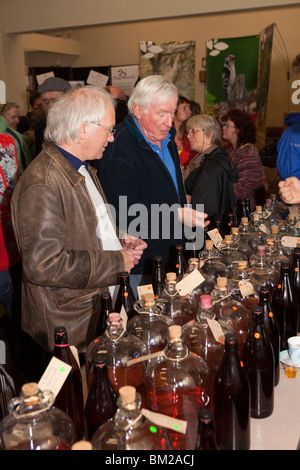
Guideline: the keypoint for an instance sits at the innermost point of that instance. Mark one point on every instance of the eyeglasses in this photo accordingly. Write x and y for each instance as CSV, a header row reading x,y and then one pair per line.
x,y
109,130
193,131
228,126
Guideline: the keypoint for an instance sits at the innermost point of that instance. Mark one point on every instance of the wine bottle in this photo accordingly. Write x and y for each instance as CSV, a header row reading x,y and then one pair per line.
x,y
206,438
70,396
295,281
232,400
258,360
125,296
284,307
158,276
101,403
271,328
106,309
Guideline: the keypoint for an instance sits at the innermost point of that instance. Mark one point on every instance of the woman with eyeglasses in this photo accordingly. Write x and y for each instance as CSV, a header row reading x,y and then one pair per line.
x,y
239,130
210,176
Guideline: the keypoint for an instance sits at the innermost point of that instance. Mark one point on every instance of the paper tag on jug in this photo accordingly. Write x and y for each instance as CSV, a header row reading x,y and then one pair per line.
x,y
246,288
165,421
215,236
54,376
216,330
291,242
189,282
146,289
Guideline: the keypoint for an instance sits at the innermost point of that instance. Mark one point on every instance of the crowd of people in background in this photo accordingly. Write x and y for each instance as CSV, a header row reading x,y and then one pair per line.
x,y
155,147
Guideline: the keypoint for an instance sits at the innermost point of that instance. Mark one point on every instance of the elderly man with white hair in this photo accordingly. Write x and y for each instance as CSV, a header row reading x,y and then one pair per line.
x,y
140,172
70,249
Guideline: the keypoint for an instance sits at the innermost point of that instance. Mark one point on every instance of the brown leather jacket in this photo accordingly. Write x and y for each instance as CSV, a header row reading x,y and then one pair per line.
x,y
64,266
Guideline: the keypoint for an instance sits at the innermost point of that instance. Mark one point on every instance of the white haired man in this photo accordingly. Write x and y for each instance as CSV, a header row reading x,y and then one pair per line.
x,y
141,168
69,246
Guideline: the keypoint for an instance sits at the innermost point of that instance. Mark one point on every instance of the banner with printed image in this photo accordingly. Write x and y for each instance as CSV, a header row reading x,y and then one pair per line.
x,y
174,60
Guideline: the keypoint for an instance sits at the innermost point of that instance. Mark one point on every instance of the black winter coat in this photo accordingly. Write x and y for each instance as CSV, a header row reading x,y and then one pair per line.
x,y
129,167
211,184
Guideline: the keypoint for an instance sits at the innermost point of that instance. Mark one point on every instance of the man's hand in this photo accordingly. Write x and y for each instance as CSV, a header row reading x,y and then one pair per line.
x,y
130,260
289,190
192,218
136,245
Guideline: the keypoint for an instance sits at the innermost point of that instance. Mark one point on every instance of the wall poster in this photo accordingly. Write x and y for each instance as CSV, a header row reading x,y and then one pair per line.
x,y
174,60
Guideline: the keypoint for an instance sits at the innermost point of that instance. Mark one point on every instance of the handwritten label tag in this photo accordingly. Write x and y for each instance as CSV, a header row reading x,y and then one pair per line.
x,y
246,288
264,229
146,289
216,330
189,282
215,236
54,376
160,419
291,242
124,317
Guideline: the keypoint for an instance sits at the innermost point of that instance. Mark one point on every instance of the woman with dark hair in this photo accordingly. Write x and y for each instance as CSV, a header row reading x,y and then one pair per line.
x,y
239,130
183,113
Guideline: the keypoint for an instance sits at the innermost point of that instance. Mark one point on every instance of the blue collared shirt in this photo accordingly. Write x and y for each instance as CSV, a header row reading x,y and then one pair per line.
x,y
75,162
163,153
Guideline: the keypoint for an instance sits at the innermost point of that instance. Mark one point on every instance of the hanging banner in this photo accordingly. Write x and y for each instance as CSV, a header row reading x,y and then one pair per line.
x,y
265,56
231,75
174,60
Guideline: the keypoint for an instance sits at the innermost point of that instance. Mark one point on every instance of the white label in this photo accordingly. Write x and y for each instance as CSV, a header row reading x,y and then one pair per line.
x,y
146,289
124,317
189,282
54,376
290,242
246,288
264,229
216,330
215,236
160,419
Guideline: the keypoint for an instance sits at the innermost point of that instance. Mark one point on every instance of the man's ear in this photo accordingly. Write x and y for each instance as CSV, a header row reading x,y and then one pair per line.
x,y
83,131
137,111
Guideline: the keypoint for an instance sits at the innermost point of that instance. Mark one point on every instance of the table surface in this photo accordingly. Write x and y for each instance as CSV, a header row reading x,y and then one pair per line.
x,y
281,430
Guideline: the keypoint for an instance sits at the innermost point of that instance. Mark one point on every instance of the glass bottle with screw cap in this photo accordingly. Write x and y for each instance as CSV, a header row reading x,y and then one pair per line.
x,y
259,364
130,429
34,423
70,396
231,400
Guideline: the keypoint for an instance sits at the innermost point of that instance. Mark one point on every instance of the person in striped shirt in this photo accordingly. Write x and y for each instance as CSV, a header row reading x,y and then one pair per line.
x,y
239,130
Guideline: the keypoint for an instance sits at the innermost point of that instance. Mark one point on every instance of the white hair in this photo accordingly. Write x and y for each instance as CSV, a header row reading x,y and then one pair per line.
x,y
154,88
87,104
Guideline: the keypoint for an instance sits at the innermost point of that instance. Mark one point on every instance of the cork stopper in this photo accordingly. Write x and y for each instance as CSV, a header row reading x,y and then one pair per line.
x,y
29,389
209,244
274,229
222,282
244,220
258,209
270,241
228,239
148,300
82,445
194,263
175,331
114,317
255,216
127,394
235,230
242,264
171,276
